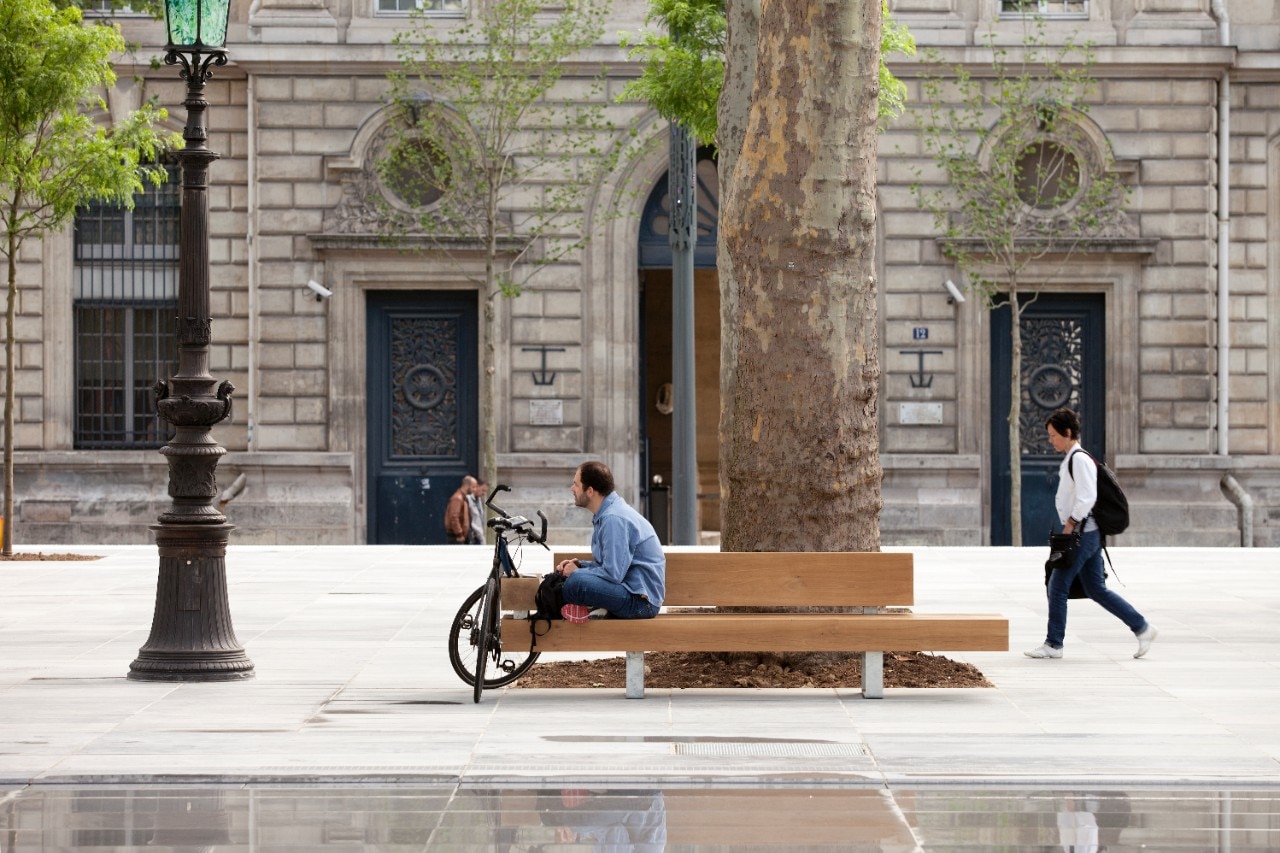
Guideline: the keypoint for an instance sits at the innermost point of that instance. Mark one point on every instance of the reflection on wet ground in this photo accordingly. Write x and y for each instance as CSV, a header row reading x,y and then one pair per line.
x,y
447,817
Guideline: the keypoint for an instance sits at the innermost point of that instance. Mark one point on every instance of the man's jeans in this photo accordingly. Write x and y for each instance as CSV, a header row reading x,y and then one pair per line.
x,y
589,589
1088,566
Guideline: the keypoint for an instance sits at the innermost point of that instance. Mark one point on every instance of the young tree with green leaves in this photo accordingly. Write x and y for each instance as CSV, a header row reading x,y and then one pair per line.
x,y
499,157
1016,182
53,157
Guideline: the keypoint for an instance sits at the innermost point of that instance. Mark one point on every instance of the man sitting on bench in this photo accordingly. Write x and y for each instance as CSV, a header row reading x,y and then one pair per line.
x,y
626,575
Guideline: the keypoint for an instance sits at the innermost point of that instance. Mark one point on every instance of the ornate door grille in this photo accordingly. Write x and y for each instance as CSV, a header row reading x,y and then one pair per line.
x,y
422,410
1063,364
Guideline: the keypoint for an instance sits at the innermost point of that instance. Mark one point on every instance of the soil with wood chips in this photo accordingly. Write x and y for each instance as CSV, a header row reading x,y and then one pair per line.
x,y
703,669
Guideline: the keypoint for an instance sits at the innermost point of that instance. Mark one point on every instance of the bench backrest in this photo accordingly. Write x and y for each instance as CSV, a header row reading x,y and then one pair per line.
x,y
773,579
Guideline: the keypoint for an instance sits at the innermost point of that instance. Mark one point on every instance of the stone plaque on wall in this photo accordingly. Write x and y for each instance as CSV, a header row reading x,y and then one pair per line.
x,y
920,413
546,412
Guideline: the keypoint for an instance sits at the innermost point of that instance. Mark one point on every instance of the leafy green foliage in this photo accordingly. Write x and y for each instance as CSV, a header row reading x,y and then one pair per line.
x,y
1015,176
53,156
495,134
684,64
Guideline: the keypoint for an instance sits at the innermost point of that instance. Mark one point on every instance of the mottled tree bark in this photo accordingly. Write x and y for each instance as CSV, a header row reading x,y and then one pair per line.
x,y
732,112
800,464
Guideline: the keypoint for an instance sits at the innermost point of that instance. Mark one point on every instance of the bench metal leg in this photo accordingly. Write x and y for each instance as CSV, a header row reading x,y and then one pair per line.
x,y
635,675
873,675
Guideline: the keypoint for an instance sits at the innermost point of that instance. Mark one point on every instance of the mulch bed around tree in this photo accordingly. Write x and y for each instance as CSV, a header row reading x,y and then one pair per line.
x,y
685,669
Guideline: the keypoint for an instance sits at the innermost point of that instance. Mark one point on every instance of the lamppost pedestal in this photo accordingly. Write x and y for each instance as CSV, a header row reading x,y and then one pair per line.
x,y
192,638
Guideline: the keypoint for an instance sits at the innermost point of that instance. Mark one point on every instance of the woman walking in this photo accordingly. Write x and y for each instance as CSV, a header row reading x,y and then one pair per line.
x,y
1077,492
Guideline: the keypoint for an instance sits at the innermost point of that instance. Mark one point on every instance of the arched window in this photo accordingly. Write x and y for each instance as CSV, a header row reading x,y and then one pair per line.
x,y
655,222
1047,174
125,307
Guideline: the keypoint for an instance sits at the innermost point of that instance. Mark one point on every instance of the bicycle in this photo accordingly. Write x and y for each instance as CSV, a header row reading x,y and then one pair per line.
x,y
475,638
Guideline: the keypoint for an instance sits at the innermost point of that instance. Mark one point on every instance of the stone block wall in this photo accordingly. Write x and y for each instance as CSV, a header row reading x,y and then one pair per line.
x,y
295,116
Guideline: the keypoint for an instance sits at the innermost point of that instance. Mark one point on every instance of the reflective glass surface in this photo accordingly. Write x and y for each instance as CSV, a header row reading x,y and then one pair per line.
x,y
197,22
447,817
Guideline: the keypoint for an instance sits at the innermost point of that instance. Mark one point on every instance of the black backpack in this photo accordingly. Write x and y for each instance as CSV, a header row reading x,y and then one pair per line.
x,y
1111,510
548,600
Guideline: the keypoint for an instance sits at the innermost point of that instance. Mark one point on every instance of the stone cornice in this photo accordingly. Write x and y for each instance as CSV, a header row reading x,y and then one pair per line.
x,y
1164,61
331,242
1140,246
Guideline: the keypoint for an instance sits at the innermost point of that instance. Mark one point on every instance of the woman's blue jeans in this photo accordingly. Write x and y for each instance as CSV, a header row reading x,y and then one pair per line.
x,y
592,590
1088,566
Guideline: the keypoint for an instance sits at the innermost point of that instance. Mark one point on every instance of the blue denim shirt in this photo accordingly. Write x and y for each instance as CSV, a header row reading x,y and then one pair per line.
x,y
625,549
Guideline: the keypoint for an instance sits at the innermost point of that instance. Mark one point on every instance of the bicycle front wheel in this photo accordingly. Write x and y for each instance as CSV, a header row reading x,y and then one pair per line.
x,y
488,646
464,646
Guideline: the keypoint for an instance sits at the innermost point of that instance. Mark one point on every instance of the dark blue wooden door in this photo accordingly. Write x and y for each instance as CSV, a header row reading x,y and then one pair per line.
x,y
422,411
1063,364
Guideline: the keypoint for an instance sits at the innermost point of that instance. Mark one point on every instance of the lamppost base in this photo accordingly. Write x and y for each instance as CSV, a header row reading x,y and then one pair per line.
x,y
170,669
191,634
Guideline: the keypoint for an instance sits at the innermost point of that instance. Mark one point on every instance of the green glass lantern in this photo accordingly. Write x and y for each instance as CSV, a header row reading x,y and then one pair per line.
x,y
197,23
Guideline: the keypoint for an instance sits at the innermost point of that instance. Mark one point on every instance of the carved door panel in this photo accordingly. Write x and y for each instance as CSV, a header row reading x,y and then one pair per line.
x,y
1063,364
422,411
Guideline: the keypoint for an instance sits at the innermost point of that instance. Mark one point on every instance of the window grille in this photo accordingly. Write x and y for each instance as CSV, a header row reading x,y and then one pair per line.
x,y
105,9
1044,8
444,7
125,325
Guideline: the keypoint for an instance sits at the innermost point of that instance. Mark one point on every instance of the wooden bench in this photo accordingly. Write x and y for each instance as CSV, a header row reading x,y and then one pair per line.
x,y
697,582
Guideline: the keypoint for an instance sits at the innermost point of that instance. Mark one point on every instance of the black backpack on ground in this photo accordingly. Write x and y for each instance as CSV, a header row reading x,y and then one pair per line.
x,y
1111,510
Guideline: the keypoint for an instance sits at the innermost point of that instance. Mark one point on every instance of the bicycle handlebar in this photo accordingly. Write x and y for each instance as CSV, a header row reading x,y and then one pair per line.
x,y
493,506
505,521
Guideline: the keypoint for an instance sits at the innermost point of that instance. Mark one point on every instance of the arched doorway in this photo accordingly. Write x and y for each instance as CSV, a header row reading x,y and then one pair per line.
x,y
655,345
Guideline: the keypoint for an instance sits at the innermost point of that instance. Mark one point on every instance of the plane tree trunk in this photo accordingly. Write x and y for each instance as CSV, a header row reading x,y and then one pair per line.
x,y
800,463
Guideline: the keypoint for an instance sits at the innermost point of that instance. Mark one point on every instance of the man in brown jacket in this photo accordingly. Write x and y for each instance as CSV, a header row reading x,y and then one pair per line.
x,y
457,515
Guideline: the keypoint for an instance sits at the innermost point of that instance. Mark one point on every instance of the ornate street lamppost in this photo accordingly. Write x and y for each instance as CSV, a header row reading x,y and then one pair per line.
x,y
191,634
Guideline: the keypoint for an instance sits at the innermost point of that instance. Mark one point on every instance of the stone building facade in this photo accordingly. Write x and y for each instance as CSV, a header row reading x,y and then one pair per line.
x,y
326,384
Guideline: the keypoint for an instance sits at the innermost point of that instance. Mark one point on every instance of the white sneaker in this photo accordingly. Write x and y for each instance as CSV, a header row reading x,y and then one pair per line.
x,y
1044,651
1145,639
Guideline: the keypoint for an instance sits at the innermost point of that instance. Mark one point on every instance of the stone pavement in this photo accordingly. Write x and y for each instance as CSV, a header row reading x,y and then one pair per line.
x,y
353,684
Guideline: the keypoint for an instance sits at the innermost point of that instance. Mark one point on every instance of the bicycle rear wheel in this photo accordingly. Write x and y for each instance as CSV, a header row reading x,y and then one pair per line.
x,y
464,646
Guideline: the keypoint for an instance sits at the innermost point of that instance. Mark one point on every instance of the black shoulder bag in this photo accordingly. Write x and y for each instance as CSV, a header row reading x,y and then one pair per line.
x,y
1062,554
548,600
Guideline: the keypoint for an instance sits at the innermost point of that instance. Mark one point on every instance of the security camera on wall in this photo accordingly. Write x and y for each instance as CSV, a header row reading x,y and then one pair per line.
x,y
956,295
319,290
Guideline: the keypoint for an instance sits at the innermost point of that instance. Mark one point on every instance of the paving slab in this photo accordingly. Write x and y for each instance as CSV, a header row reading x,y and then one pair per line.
x,y
352,684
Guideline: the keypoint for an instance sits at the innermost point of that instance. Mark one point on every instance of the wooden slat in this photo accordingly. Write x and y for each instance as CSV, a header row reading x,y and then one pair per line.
x,y
809,579
517,593
839,817
751,632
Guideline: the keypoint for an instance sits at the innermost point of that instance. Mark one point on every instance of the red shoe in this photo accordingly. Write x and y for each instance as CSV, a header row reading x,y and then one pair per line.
x,y
575,613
